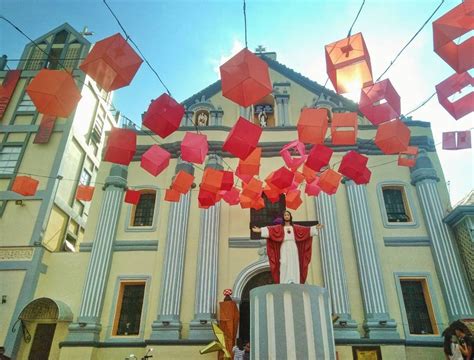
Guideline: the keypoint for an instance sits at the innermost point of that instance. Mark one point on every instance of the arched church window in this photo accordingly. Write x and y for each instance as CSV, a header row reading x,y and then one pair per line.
x,y
201,118
264,112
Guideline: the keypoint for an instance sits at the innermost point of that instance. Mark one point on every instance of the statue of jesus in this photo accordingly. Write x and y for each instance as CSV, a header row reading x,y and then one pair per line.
x,y
288,249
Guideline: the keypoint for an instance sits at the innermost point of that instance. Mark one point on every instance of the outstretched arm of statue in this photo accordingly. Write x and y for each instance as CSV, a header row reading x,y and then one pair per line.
x,y
315,229
256,229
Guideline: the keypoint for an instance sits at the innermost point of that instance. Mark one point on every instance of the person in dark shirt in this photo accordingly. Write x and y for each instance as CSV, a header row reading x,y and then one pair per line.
x,y
466,341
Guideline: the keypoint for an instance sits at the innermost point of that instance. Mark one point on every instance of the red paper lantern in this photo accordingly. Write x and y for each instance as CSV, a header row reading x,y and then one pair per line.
x,y
309,174
251,165
287,151
155,160
245,79
282,178
453,84
206,198
344,128
227,180
232,197
242,139
258,204
299,177
212,180
84,193
272,194
293,199
172,195
244,177
112,63
121,146
132,197
54,92
392,137
246,202
312,126
363,177
25,185
164,115
253,189
449,27
318,157
329,181
380,102
353,164
194,147
182,182
348,64
312,188
408,157
457,140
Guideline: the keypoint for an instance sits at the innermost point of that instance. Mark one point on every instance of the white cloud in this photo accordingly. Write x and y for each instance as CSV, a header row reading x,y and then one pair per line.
x,y
237,45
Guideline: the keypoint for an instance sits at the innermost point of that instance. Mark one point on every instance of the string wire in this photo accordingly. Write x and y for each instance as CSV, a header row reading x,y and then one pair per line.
x,y
245,23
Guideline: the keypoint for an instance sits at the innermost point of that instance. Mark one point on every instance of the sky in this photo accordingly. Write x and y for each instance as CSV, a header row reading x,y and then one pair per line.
x,y
186,41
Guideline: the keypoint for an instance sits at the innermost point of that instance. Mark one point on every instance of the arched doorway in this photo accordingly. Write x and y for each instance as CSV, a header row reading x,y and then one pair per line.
x,y
260,279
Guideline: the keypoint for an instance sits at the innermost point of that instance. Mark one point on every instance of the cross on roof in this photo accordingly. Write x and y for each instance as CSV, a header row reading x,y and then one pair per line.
x,y
260,49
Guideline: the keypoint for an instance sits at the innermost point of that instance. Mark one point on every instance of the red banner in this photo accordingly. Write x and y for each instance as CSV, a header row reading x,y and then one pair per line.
x,y
45,130
7,88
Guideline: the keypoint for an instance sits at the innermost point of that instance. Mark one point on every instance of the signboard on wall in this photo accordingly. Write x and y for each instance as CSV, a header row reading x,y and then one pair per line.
x,y
267,108
45,130
7,89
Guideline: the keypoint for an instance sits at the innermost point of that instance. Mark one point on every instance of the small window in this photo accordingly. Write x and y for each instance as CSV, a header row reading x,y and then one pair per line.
x,y
142,214
60,37
418,307
69,244
9,156
201,118
266,216
396,204
263,112
129,308
26,104
85,177
53,58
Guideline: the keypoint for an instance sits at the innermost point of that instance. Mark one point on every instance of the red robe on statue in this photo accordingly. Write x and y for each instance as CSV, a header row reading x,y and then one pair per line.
x,y
303,241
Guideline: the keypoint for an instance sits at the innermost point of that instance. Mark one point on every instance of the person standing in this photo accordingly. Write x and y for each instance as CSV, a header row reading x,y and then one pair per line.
x,y
465,339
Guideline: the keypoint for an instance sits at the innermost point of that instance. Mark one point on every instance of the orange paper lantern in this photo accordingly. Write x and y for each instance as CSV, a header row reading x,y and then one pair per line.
x,y
318,157
258,204
453,84
164,115
244,177
132,197
293,154
299,177
182,182
272,194
348,64
380,102
242,139
246,202
293,199
25,185
353,164
251,165
449,27
245,79
312,188
329,181
212,180
172,195
84,193
392,137
194,147
121,146
155,160
112,63
312,126
54,92
408,157
344,128
309,174
253,189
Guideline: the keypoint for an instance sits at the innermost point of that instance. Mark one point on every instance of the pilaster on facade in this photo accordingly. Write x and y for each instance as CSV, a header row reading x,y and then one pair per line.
x,y
333,267
216,117
378,323
246,112
87,326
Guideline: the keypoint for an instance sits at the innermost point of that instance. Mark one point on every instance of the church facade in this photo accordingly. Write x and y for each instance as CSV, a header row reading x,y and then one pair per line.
x,y
151,275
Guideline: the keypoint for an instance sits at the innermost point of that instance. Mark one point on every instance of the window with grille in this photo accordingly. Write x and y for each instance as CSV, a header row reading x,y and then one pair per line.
x,y
129,308
143,212
36,58
396,204
418,306
26,104
85,178
265,216
9,156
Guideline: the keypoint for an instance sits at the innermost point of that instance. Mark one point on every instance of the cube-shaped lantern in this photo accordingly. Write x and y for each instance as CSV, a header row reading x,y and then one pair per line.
x,y
282,178
363,177
392,137
232,197
353,164
318,157
453,84
408,157
227,180
164,115
155,160
54,92
246,202
329,181
132,197
121,146
112,63
253,189
182,182
194,147
344,128
312,126
244,177
206,198
348,64
299,177
293,199
245,79
84,193
380,102
212,180
258,203
272,194
309,174
457,140
447,29
172,195
242,139
312,188
293,154
25,185
251,165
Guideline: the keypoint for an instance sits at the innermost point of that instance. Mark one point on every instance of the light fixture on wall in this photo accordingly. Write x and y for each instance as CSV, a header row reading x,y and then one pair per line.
x,y
4,299
19,203
383,322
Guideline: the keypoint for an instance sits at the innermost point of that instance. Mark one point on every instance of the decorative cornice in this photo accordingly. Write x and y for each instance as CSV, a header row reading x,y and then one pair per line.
x,y
117,177
458,214
407,241
423,174
245,243
126,245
